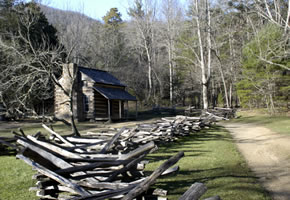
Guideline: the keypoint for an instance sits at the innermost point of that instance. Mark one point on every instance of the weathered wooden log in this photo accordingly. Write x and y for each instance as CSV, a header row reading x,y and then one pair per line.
x,y
47,159
159,192
88,147
126,168
102,134
111,142
216,117
195,191
91,166
85,140
22,132
145,139
58,136
74,157
89,174
44,154
170,171
138,151
16,133
55,188
106,194
109,185
58,150
129,134
152,178
79,190
39,159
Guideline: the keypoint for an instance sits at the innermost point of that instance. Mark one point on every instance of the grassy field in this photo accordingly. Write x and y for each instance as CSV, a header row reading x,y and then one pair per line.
x,y
15,179
278,124
210,158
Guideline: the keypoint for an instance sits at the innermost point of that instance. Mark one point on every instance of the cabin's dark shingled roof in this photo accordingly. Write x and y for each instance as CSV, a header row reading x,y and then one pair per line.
x,y
100,76
115,93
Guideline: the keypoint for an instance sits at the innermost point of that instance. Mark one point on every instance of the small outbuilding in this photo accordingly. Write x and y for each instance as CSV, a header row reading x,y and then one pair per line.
x,y
97,95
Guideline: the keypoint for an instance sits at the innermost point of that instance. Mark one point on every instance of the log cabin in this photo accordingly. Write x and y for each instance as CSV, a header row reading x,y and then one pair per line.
x,y
97,95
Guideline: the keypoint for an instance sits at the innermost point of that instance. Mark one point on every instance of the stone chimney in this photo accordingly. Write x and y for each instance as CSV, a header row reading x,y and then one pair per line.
x,y
68,74
62,105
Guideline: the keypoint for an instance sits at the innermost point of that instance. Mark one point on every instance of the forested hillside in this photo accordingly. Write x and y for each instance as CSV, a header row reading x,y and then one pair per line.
x,y
205,54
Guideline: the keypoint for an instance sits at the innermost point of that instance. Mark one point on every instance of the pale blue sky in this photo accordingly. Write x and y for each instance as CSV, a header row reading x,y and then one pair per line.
x,y
92,8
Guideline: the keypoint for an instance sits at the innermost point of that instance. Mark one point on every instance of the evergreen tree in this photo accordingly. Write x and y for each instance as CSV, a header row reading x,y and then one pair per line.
x,y
264,82
113,18
113,54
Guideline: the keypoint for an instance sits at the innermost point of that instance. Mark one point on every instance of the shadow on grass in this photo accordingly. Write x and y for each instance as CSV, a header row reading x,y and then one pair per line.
x,y
222,175
187,143
233,181
7,151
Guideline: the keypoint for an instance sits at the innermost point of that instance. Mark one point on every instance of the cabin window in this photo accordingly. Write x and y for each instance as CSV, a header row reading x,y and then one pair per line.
x,y
86,103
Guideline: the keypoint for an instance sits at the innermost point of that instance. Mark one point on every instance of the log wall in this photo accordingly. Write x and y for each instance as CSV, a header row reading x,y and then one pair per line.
x,y
101,106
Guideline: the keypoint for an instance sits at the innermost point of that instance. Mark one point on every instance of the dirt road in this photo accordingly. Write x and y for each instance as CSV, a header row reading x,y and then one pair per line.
x,y
268,155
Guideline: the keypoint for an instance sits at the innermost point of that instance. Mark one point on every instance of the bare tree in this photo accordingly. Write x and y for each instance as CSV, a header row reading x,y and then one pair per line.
x,y
143,17
34,62
277,12
200,12
172,14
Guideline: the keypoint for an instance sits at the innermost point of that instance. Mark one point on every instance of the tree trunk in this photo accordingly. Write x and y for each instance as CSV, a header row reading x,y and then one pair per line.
x,y
204,96
149,71
75,131
205,73
202,65
171,80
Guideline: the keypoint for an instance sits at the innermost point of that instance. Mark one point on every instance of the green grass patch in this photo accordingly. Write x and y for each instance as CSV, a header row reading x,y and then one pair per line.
x,y
15,179
278,124
210,158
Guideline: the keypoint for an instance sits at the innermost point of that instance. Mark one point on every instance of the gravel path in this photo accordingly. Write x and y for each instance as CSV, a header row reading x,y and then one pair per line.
x,y
268,155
